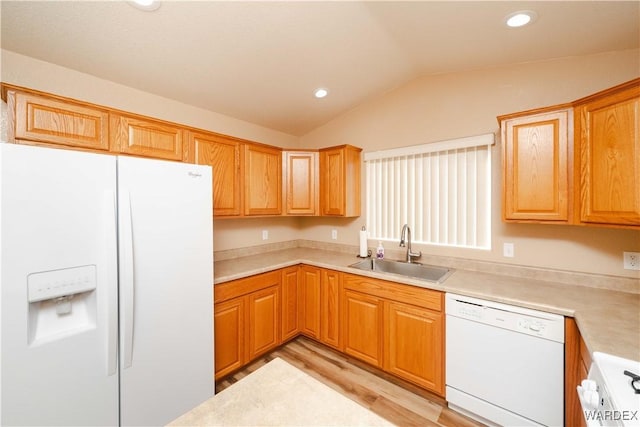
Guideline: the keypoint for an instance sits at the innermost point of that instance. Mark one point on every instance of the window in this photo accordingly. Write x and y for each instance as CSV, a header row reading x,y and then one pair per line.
x,y
441,190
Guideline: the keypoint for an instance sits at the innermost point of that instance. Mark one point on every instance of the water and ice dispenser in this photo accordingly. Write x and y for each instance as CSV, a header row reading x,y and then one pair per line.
x,y
61,302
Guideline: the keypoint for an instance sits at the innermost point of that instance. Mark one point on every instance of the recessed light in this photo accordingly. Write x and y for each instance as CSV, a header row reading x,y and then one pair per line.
x,y
321,93
520,18
146,5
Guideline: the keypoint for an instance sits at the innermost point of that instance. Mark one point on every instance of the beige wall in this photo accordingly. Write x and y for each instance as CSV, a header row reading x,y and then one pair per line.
x,y
440,107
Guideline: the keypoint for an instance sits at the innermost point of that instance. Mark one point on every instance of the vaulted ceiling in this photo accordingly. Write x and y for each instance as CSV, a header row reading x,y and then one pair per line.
x,y
260,61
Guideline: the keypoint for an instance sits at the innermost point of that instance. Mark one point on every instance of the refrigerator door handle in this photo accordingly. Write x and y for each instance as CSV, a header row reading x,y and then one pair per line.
x,y
111,239
127,276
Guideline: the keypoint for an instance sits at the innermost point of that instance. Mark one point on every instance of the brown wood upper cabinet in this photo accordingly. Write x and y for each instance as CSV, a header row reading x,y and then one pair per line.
x,y
300,170
607,139
145,137
536,163
340,181
223,154
262,180
48,120
575,163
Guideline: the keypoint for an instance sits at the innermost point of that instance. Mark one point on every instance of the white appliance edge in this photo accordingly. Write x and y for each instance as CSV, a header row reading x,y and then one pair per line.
x,y
62,361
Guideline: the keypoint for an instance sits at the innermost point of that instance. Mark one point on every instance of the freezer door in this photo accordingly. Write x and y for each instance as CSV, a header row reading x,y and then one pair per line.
x,y
166,288
58,280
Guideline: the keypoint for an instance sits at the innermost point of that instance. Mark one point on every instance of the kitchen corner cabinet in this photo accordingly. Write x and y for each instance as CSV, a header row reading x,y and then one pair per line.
x,y
51,121
330,283
262,180
340,181
291,301
607,139
223,154
321,304
399,328
246,320
536,159
145,137
310,278
300,171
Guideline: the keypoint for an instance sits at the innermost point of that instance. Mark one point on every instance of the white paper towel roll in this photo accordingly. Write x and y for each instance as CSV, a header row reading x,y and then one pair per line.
x,y
363,243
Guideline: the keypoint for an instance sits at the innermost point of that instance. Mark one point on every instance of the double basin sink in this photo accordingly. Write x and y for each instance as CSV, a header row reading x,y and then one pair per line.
x,y
413,270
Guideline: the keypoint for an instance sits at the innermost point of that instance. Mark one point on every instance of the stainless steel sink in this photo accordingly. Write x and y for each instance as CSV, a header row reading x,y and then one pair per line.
x,y
414,270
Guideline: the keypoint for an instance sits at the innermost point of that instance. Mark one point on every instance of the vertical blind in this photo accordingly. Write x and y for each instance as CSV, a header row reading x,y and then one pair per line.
x,y
441,190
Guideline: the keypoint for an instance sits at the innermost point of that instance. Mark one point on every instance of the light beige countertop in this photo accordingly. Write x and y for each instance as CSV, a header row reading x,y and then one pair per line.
x,y
609,320
279,394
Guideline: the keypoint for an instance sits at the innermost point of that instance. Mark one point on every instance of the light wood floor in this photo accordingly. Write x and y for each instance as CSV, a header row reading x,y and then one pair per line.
x,y
395,400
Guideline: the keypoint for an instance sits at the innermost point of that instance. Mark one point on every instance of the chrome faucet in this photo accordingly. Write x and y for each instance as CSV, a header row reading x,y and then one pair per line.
x,y
410,253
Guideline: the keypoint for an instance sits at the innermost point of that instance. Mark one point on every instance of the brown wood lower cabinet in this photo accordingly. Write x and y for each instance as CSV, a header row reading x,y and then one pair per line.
x,y
247,320
310,307
414,344
291,299
362,326
229,322
330,308
397,328
577,361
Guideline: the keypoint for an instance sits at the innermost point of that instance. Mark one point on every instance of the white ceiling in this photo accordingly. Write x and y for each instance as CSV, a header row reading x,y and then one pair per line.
x,y
260,61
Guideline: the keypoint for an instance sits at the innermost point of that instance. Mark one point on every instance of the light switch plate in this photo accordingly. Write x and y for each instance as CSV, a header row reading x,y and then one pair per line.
x,y
265,234
334,234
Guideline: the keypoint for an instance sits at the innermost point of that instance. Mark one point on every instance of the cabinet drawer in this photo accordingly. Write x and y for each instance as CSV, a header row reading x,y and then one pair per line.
x,y
420,297
236,288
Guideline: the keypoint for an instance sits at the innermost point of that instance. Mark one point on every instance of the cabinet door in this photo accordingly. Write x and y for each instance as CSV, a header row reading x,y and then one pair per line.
x,y
536,167
330,304
414,345
310,278
223,154
362,327
607,128
66,123
262,180
300,188
340,181
145,137
291,295
264,324
229,336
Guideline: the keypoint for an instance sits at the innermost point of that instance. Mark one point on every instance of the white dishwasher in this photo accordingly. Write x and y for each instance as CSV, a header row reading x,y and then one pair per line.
x,y
504,364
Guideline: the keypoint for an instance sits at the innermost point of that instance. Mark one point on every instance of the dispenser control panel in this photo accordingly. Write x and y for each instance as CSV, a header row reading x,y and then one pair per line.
x,y
51,284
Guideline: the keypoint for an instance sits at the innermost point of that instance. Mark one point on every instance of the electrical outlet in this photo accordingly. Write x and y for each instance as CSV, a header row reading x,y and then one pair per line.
x,y
507,250
265,234
334,234
631,260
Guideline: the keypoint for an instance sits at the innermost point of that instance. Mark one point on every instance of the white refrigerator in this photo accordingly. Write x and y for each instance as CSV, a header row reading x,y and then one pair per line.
x,y
106,275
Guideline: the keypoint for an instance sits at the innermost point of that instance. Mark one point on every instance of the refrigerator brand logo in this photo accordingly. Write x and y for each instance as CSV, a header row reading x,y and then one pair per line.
x,y
194,175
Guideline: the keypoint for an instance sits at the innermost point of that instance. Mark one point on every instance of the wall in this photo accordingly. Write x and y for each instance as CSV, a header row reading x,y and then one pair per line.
x,y
28,72
440,107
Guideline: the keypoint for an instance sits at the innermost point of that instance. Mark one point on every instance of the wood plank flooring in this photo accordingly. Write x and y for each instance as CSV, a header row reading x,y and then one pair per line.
x,y
399,402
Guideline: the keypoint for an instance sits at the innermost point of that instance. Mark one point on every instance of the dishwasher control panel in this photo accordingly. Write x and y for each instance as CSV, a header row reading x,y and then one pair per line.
x,y
531,322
